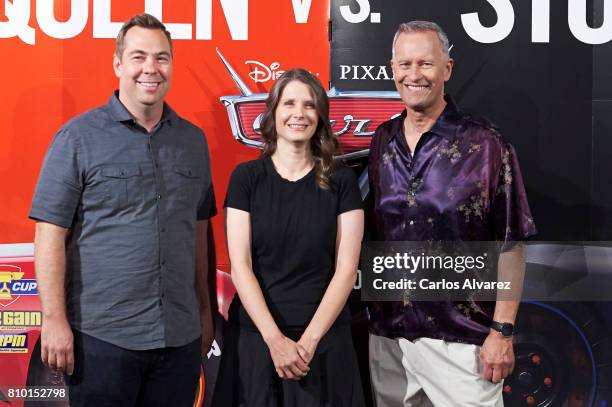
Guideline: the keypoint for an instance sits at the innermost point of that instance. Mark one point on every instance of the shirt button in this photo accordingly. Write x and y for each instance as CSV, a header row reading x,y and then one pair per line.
x,y
163,230
162,262
159,196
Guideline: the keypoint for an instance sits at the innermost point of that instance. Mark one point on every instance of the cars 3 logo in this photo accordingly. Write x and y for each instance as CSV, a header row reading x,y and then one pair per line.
x,y
353,115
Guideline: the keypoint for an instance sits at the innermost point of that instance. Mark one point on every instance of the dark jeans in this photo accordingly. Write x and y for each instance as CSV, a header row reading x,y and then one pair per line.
x,y
107,375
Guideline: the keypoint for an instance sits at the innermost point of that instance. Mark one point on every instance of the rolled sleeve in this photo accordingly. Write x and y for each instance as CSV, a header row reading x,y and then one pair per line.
x,y
59,185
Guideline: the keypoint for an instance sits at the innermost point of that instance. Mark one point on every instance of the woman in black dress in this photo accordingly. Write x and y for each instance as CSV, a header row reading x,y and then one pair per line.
x,y
294,224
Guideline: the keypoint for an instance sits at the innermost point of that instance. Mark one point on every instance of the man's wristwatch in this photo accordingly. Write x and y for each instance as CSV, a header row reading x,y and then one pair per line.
x,y
505,328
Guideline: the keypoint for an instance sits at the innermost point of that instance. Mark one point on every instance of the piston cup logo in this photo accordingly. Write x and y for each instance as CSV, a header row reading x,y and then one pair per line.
x,y
13,285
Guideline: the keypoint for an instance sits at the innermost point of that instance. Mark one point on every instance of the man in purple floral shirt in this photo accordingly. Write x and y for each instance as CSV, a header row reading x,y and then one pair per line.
x,y
437,173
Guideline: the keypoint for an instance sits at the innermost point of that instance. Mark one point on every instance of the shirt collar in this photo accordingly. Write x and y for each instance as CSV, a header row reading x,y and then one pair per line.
x,y
445,125
120,114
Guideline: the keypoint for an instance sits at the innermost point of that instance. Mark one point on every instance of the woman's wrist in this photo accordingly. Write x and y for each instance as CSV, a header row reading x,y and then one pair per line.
x,y
272,335
311,338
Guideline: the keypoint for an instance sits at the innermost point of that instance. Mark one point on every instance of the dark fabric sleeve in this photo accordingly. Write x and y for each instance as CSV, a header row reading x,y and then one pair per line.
x,y
512,219
238,191
349,197
60,182
207,207
369,202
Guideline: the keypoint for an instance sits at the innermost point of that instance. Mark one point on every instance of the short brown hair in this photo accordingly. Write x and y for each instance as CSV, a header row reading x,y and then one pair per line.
x,y
140,20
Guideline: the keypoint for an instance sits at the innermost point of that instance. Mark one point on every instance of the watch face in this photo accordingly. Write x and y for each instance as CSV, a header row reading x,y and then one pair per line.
x,y
507,329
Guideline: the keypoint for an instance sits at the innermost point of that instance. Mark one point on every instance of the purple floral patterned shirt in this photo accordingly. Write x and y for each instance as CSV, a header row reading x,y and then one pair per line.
x,y
462,183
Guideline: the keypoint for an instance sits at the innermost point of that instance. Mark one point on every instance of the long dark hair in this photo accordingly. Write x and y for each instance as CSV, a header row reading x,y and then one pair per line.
x,y
323,143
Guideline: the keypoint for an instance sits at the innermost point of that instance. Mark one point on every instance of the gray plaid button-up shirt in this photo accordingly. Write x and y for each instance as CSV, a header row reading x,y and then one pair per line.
x,y
131,200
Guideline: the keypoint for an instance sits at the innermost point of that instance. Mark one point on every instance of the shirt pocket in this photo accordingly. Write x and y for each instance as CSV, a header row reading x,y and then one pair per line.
x,y
187,182
121,184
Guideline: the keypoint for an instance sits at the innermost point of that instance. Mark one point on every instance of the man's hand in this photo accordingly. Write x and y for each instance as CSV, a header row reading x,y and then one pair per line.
x,y
496,357
57,345
286,357
57,342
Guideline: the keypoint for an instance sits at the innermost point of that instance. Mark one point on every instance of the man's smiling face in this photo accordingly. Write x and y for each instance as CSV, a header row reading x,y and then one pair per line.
x,y
420,69
144,69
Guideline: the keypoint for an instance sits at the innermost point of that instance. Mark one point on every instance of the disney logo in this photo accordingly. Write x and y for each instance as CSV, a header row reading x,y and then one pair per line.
x,y
263,73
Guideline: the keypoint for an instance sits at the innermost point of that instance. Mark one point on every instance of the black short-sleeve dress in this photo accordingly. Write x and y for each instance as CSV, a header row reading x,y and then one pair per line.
x,y
293,226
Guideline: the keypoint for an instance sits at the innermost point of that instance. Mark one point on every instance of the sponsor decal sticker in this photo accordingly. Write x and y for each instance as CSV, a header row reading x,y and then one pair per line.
x,y
13,285
8,274
20,319
14,343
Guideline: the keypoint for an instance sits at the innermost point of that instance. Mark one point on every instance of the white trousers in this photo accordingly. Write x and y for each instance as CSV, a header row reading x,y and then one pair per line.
x,y
429,372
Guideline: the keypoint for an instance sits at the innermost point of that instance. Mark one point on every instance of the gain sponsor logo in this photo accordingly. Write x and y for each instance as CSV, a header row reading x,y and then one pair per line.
x,y
20,319
13,285
14,343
